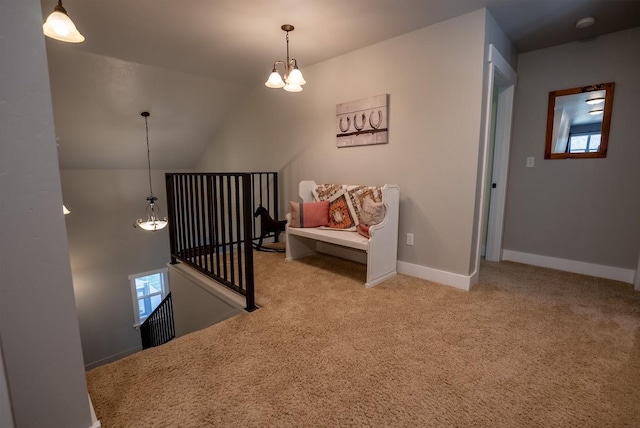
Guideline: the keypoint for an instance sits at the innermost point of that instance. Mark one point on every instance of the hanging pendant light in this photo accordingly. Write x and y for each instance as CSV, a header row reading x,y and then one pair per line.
x,y
292,80
153,221
60,27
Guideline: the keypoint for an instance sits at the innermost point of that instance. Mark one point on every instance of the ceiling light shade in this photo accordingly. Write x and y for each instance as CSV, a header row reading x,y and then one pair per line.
x,y
594,101
275,80
65,211
295,77
585,22
292,79
594,112
60,27
292,88
153,221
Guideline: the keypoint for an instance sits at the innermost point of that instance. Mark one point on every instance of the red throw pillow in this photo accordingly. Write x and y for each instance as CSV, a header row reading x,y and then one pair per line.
x,y
309,214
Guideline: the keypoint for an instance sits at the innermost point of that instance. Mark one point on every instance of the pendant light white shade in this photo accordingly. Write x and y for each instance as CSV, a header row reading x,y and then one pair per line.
x,y
60,27
65,211
152,225
295,77
153,221
274,81
292,88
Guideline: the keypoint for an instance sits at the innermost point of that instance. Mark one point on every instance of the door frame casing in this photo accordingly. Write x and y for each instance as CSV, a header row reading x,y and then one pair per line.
x,y
501,74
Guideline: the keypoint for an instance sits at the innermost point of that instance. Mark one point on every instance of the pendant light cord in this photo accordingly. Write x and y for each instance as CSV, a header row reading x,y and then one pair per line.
x,y
146,125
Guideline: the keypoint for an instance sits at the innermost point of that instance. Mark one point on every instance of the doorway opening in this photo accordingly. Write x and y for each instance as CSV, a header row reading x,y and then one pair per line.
x,y
495,158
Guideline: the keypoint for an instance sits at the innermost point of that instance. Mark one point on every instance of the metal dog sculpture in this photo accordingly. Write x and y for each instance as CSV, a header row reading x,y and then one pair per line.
x,y
268,225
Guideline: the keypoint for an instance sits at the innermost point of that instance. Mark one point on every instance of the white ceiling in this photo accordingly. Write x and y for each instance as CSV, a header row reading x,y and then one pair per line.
x,y
576,107
188,62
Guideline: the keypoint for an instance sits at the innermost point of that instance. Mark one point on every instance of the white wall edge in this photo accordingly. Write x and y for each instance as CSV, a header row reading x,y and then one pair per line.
x,y
112,358
600,271
234,299
463,282
95,423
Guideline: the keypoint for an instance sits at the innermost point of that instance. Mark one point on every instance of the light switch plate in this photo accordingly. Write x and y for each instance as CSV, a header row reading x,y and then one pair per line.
x,y
530,161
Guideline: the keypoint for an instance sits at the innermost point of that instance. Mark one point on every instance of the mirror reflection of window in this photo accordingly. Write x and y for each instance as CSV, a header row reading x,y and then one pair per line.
x,y
578,122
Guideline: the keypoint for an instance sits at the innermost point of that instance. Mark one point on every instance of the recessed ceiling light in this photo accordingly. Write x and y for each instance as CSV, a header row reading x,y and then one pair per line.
x,y
593,101
585,22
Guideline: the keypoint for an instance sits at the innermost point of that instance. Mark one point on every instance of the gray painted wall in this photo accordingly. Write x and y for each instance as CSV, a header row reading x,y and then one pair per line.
x,y
6,414
577,209
38,320
194,306
435,80
104,255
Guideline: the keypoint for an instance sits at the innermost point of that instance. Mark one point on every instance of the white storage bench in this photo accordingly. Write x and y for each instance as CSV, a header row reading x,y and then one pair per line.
x,y
381,248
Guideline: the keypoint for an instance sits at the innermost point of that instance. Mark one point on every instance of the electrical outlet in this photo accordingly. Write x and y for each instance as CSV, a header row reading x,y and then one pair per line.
x,y
530,161
409,238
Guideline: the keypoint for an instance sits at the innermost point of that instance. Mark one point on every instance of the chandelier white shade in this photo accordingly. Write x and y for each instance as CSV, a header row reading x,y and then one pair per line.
x,y
153,221
60,27
292,79
65,211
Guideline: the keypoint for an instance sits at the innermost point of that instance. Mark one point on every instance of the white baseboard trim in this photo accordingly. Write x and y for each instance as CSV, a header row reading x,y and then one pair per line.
x,y
112,358
463,282
95,423
600,271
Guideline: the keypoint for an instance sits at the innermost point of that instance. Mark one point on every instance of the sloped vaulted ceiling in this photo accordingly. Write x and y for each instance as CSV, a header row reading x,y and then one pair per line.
x,y
190,62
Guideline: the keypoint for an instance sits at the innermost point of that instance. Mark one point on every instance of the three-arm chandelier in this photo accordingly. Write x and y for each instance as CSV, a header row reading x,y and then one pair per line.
x,y
292,80
153,222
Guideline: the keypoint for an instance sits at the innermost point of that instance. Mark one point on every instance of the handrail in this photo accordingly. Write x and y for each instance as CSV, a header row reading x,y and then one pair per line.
x,y
158,328
211,229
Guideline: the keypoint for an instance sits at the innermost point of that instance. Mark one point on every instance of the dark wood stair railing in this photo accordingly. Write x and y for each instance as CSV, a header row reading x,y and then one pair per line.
x,y
212,227
159,327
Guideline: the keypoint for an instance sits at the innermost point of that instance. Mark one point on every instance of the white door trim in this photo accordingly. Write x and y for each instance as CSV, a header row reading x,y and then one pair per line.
x,y
498,195
501,74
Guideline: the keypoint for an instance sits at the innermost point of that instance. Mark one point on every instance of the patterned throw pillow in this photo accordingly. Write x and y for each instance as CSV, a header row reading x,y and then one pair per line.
x,y
358,194
341,213
372,212
309,214
323,192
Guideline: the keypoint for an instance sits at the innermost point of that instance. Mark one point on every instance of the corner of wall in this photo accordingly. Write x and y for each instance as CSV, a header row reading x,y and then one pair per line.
x,y
463,282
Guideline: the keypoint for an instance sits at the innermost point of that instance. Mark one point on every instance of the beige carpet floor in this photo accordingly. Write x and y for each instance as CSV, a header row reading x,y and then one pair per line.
x,y
528,347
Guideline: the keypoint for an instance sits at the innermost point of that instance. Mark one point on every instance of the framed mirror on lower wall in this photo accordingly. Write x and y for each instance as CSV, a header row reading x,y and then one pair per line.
x,y
578,121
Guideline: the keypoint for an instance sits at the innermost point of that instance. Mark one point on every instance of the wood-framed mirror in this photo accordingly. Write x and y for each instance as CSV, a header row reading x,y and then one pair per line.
x,y
578,121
